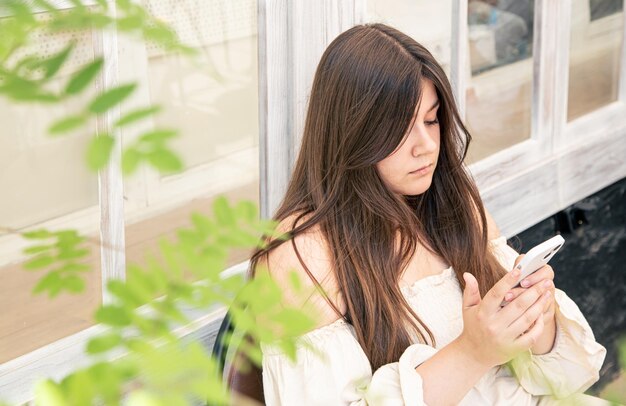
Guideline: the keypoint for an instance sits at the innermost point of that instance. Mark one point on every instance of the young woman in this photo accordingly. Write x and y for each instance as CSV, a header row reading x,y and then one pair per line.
x,y
385,219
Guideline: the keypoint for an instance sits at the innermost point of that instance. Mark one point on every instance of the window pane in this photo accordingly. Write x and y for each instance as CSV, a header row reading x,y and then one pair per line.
x,y
44,179
595,51
500,34
428,22
213,100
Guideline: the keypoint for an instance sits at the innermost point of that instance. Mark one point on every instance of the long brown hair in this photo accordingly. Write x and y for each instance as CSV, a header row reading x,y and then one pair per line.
x,y
364,95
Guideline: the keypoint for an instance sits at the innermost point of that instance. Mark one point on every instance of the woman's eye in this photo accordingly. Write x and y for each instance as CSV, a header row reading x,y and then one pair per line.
x,y
433,122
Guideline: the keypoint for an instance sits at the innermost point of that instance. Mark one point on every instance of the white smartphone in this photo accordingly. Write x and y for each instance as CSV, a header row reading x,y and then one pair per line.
x,y
538,256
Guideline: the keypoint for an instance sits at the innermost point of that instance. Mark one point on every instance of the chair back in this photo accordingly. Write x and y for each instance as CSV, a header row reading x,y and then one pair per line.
x,y
243,378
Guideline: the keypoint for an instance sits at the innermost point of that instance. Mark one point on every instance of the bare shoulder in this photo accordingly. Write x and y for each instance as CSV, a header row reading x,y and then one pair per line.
x,y
493,231
314,252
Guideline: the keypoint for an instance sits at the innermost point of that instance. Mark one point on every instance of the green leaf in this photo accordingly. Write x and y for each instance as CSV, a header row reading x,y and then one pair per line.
x,y
136,115
165,160
68,238
37,234
111,98
222,211
124,294
622,351
51,282
113,315
204,224
130,23
247,211
161,34
168,309
72,253
83,77
28,63
52,65
48,393
80,387
99,151
238,238
73,267
296,321
189,237
157,136
73,284
139,284
130,159
138,345
103,343
20,11
295,281
66,124
36,249
41,261
21,89
143,397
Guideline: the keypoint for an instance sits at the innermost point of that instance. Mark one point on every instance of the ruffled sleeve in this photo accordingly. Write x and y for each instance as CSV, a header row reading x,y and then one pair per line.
x,y
574,362
332,369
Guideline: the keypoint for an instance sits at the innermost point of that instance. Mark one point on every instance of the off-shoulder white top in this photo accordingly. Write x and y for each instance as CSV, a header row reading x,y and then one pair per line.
x,y
338,372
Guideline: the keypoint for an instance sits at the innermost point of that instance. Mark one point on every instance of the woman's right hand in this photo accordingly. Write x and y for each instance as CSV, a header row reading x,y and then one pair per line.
x,y
494,334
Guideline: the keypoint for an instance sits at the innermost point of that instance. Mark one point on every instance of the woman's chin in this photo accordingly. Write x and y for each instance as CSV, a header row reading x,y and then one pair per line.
x,y
417,189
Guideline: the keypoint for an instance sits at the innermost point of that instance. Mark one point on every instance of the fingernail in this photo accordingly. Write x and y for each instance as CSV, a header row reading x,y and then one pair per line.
x,y
508,296
547,283
516,272
547,294
525,283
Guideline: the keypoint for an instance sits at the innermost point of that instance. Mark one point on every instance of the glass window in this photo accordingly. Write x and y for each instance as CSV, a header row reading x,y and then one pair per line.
x,y
45,183
595,52
213,100
498,104
427,22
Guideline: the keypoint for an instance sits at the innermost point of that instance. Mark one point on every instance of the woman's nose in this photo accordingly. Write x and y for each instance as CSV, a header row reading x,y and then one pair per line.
x,y
423,143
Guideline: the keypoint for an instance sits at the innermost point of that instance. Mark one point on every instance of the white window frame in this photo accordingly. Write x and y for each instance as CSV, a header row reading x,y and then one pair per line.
x,y
577,158
560,164
55,360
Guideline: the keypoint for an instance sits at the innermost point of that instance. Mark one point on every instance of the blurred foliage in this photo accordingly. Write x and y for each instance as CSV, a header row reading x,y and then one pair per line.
x,y
617,394
28,76
139,358
144,355
61,252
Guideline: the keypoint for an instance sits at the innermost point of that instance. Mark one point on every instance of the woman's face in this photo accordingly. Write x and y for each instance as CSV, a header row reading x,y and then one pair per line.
x,y
409,169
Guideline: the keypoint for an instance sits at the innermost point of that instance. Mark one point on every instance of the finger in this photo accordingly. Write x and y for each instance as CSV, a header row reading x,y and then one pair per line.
x,y
551,302
530,337
471,293
545,272
520,305
511,295
494,297
517,260
526,320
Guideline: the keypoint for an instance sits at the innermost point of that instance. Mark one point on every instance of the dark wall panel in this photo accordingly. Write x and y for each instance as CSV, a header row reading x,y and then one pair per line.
x,y
591,266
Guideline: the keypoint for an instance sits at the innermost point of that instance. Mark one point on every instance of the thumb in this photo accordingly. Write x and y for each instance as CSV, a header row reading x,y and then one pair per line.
x,y
471,293
517,260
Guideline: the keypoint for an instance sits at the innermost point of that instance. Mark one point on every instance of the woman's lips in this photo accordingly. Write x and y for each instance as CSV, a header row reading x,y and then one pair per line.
x,y
422,171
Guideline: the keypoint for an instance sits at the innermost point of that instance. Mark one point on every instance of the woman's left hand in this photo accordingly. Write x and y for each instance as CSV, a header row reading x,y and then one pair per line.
x,y
545,274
